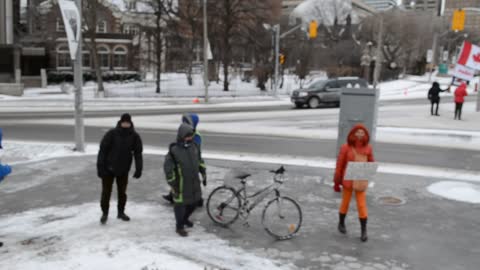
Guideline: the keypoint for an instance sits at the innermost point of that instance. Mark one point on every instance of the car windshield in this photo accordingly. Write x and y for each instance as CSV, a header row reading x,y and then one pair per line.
x,y
317,85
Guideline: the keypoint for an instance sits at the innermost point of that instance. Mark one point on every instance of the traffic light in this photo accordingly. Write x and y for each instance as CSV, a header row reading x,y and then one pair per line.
x,y
458,21
282,59
312,30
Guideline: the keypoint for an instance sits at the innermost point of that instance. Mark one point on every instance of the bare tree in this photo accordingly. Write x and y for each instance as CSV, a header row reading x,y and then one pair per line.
x,y
232,21
163,10
90,18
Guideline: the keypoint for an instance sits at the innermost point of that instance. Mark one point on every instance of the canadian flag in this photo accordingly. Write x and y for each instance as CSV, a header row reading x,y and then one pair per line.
x,y
470,56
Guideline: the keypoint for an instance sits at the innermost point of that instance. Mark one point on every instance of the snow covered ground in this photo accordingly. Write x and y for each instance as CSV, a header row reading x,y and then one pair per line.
x,y
458,191
71,238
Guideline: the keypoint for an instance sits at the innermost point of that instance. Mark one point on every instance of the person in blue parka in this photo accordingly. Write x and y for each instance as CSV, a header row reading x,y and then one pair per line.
x,y
4,169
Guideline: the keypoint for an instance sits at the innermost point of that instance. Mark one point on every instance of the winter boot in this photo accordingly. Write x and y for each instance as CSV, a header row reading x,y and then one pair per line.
x,y
168,198
363,224
123,217
103,219
341,223
188,224
182,232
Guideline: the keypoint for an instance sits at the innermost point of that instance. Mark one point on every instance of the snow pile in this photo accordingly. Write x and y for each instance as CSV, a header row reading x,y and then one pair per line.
x,y
325,12
72,238
458,191
17,152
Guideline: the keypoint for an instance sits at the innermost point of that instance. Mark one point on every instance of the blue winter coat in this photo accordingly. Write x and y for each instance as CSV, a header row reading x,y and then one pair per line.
x,y
4,169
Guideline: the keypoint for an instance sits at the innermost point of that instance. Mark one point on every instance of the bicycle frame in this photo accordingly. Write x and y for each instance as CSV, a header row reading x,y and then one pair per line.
x,y
259,195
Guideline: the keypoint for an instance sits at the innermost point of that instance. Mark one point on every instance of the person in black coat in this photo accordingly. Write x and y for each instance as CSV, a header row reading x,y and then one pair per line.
x,y
118,148
434,96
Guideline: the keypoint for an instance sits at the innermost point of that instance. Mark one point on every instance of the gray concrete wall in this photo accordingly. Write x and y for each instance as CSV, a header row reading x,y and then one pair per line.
x,y
11,89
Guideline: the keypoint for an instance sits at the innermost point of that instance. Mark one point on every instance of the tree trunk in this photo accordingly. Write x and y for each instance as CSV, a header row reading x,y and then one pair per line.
x,y
97,65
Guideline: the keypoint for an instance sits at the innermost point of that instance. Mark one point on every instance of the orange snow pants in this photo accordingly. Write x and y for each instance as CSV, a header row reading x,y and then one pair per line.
x,y
361,197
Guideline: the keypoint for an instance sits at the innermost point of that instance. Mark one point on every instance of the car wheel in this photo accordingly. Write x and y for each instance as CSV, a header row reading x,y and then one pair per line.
x,y
313,102
299,105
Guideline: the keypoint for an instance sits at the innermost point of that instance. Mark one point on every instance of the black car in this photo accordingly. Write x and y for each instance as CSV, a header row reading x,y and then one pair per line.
x,y
324,91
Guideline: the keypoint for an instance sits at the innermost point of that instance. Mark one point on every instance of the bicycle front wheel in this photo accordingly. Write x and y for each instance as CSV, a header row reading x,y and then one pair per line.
x,y
282,218
223,205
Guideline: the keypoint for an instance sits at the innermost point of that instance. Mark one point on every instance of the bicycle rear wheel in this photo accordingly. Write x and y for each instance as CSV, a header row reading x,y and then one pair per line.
x,y
223,205
282,218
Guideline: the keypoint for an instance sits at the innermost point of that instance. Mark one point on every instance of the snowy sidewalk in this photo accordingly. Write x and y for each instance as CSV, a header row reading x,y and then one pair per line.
x,y
49,219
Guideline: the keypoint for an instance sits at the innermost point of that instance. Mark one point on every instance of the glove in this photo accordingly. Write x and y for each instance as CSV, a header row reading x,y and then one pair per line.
x,y
137,174
204,182
336,188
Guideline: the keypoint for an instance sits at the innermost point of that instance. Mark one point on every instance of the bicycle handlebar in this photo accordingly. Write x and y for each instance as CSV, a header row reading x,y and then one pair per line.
x,y
281,170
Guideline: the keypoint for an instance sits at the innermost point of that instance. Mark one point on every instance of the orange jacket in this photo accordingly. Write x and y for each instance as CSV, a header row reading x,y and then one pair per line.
x,y
346,154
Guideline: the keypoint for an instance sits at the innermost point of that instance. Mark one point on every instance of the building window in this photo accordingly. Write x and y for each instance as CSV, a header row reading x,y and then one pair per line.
x,y
104,57
60,26
132,5
63,57
120,57
102,27
130,29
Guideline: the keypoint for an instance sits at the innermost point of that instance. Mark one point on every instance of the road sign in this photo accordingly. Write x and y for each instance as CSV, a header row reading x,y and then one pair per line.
x,y
458,20
429,56
445,56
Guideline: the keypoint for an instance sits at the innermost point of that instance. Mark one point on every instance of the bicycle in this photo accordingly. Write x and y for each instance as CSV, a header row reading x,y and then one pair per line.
x,y
281,217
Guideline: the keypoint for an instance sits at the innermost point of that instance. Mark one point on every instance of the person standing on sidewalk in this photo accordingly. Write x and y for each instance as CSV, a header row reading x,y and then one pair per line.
x,y
117,149
357,149
5,170
460,95
182,167
191,119
434,96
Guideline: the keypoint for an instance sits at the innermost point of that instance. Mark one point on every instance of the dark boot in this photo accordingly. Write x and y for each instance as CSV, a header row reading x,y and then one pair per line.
x,y
341,223
103,219
363,224
123,217
188,224
182,232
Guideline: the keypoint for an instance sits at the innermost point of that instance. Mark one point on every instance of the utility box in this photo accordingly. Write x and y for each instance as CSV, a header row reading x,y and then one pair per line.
x,y
357,106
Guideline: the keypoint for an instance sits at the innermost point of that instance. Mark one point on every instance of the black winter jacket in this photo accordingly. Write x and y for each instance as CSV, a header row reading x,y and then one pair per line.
x,y
117,149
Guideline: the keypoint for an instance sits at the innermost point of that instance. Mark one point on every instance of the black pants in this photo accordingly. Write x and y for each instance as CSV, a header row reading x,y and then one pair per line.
x,y
183,213
458,110
433,103
107,183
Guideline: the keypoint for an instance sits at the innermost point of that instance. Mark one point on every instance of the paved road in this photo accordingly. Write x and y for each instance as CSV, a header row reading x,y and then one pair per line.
x,y
426,232
170,110
392,153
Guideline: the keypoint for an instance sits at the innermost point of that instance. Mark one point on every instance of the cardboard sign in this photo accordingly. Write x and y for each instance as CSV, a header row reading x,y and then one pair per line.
x,y
463,72
71,20
361,171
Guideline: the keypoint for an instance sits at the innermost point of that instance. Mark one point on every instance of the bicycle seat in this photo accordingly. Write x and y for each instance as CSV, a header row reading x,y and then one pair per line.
x,y
243,176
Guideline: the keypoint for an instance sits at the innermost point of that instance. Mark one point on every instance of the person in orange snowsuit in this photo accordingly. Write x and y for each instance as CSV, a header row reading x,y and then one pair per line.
x,y
356,149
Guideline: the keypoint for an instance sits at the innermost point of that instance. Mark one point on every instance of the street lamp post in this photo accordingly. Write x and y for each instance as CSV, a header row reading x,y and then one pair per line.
x,y
78,82
205,50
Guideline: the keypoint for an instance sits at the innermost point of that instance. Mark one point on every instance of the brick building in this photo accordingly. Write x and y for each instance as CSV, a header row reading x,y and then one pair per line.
x,y
122,45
